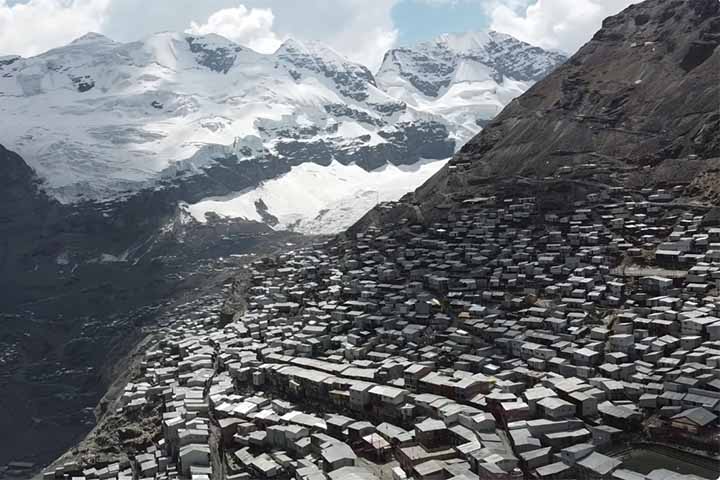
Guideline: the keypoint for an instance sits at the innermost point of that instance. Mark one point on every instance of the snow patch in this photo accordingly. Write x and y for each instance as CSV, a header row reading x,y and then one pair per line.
x,y
314,199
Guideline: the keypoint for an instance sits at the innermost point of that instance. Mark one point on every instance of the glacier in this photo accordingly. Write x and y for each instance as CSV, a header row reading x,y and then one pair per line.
x,y
320,200
99,120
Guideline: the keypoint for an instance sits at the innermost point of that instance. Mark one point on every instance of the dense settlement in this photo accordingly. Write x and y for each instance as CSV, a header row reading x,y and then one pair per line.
x,y
503,342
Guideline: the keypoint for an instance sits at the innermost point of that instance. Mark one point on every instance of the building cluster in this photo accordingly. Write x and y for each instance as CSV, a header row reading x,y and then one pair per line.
x,y
501,343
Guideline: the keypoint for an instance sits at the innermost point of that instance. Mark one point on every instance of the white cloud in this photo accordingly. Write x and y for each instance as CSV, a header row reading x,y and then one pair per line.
x,y
557,24
366,34
38,25
250,27
359,29
439,3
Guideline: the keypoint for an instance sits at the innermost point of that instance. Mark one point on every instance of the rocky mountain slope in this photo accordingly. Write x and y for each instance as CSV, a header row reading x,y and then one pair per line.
x,y
637,106
100,120
639,103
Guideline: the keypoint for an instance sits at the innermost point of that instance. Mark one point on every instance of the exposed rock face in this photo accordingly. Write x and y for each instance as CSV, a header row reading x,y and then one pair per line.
x,y
25,217
267,217
8,60
18,181
39,234
644,92
406,143
352,80
218,58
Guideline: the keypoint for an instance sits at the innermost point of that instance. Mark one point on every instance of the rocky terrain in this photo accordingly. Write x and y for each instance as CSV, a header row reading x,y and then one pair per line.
x,y
80,282
641,97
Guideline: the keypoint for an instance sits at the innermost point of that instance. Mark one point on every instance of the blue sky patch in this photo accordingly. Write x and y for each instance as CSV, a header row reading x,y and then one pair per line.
x,y
420,20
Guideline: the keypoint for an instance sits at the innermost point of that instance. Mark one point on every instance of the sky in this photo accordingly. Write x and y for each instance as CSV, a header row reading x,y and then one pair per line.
x,y
362,30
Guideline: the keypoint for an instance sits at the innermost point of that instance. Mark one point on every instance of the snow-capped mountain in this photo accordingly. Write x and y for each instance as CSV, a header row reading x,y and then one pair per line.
x,y
100,120
465,78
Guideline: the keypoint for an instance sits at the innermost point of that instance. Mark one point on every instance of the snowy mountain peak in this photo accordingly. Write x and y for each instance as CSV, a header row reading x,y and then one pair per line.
x,y
294,46
312,56
300,53
430,67
465,77
216,52
91,37
213,40
465,42
350,78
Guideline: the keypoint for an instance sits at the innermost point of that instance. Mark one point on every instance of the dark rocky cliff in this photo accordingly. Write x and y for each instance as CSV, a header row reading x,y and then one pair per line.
x,y
642,96
79,283
26,216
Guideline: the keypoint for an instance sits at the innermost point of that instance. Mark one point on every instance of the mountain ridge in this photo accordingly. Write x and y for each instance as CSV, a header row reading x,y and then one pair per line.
x,y
646,107
466,77
100,120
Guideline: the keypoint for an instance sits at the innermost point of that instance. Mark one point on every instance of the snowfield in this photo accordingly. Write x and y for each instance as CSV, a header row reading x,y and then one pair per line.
x,y
314,199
